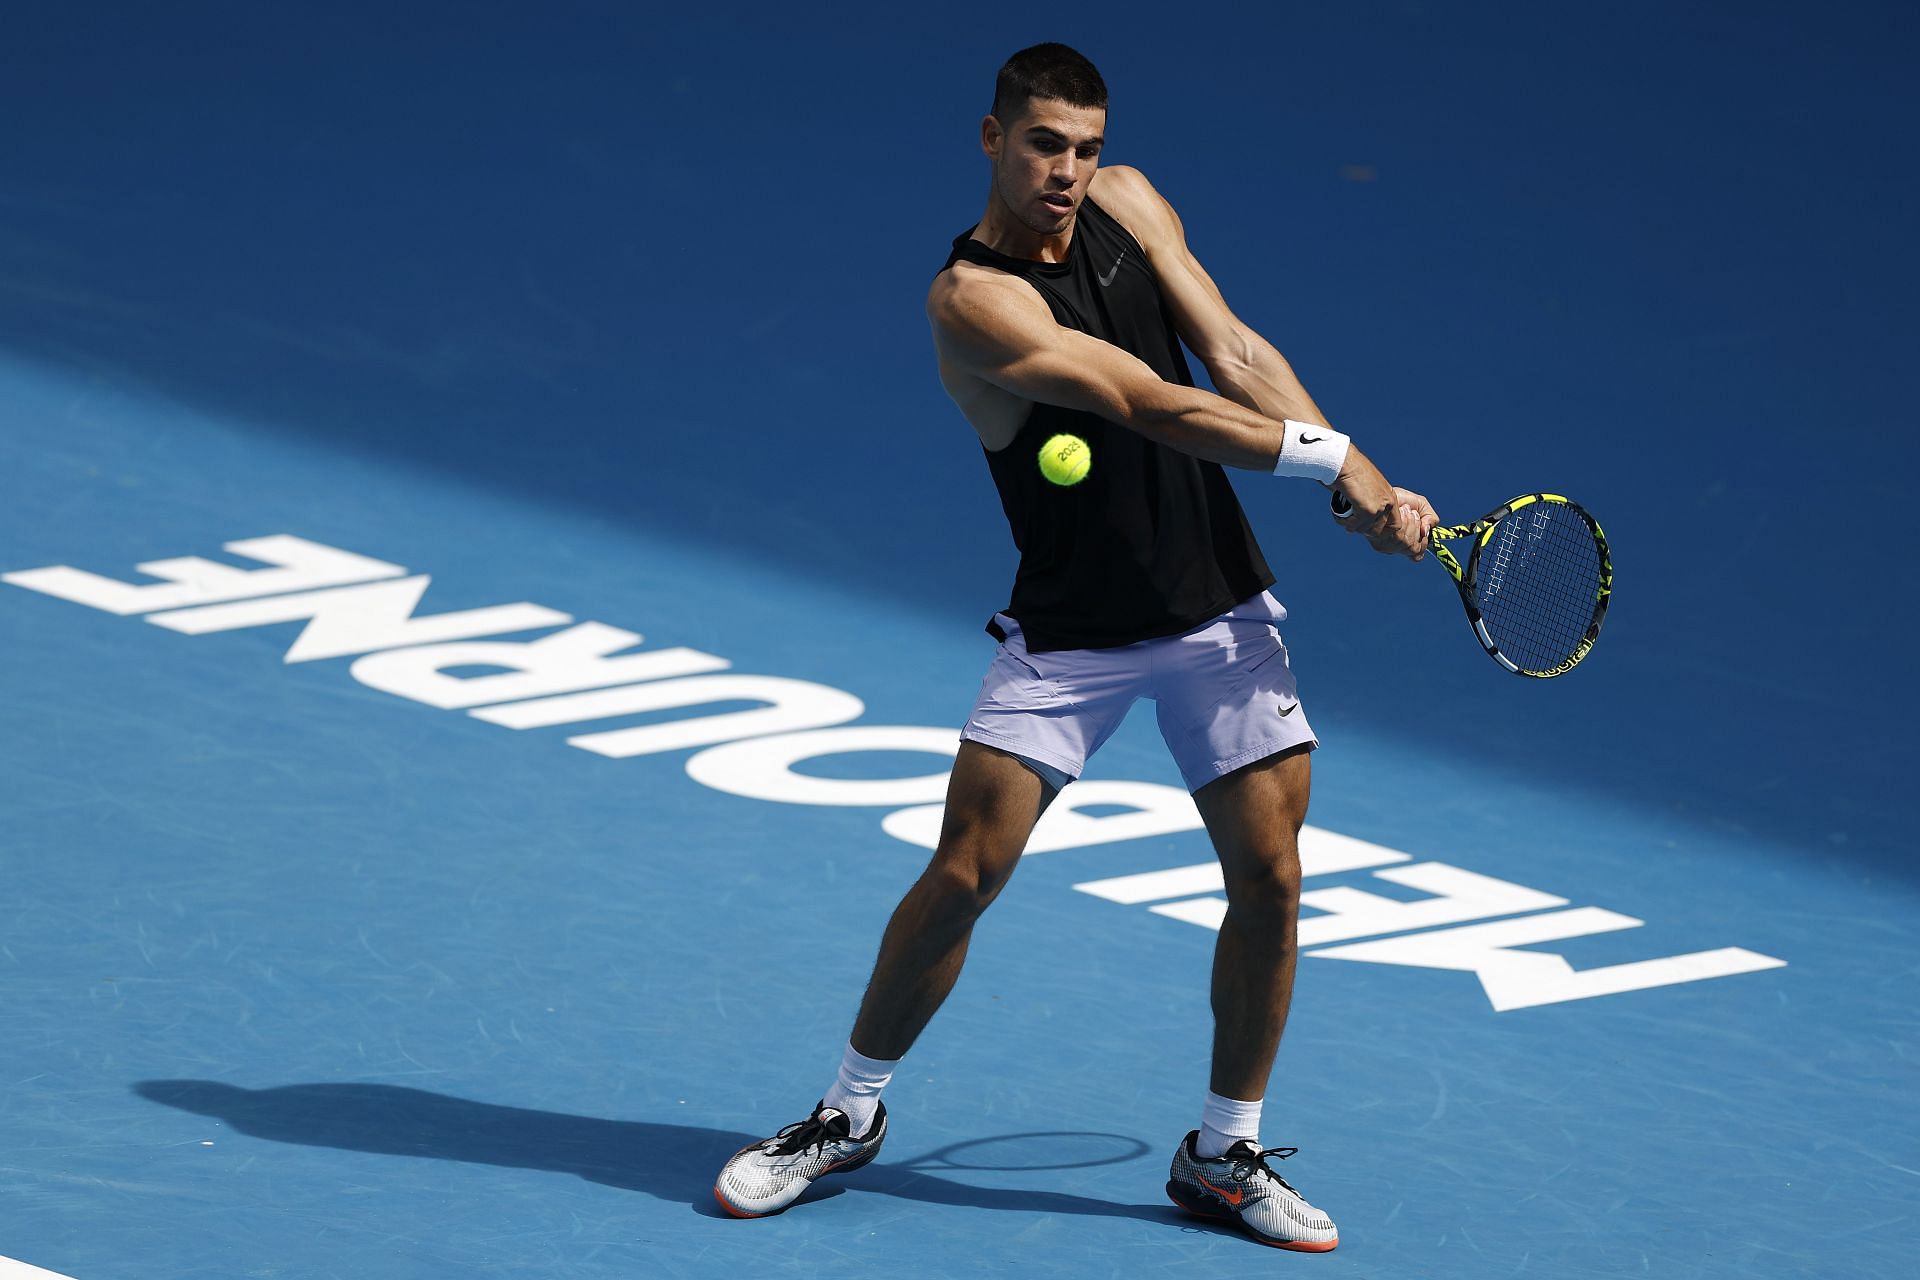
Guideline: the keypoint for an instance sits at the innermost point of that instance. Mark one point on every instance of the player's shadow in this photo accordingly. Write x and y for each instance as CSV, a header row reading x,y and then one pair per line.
x,y
670,1161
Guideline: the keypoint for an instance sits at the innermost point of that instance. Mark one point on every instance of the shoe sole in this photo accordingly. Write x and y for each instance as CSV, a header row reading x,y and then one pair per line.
x,y
1215,1215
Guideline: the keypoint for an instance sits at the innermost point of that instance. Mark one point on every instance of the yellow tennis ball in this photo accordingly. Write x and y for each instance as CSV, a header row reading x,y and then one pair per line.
x,y
1066,459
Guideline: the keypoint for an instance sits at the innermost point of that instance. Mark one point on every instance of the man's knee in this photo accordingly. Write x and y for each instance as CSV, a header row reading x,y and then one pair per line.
x,y
1265,882
973,862
976,856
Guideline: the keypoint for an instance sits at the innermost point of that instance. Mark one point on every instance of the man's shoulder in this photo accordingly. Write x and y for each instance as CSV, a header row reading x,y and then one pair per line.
x,y
1120,181
966,292
1122,188
1125,193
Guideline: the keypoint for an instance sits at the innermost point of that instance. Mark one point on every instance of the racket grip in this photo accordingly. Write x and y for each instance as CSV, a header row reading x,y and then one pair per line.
x,y
1341,507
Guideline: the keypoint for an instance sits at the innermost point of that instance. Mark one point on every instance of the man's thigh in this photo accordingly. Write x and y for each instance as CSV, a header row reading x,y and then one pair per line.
x,y
1253,815
993,802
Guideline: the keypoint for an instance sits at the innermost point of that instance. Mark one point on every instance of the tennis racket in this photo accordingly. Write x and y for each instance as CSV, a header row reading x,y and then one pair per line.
x,y
1536,582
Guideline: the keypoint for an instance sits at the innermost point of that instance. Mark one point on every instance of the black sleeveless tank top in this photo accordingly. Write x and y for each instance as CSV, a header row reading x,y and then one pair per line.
x,y
1153,542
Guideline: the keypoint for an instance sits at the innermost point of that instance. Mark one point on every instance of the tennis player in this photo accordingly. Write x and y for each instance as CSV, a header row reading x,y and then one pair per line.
x,y
1063,310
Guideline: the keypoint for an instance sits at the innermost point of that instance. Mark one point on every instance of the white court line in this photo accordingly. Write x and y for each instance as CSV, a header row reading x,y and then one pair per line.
x,y
13,1270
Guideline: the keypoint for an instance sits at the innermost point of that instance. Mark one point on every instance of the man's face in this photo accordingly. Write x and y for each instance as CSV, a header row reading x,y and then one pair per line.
x,y
1043,161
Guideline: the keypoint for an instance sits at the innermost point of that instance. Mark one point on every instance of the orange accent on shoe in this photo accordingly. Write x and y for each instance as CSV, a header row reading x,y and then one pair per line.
x,y
1306,1246
732,1212
1231,1197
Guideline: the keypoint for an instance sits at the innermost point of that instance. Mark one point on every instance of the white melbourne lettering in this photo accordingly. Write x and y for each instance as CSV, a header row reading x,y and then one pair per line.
x,y
1511,979
1354,913
792,704
1322,853
1523,979
348,620
13,1270
192,580
355,605
581,657
1152,809
762,768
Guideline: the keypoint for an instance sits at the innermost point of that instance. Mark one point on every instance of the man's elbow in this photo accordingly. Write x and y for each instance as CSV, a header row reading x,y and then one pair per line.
x,y
1233,356
1149,406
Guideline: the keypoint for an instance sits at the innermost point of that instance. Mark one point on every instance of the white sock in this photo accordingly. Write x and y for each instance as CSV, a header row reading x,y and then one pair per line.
x,y
1223,1122
856,1090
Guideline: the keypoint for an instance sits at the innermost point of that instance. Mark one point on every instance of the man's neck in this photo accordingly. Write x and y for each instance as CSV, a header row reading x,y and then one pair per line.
x,y
1001,232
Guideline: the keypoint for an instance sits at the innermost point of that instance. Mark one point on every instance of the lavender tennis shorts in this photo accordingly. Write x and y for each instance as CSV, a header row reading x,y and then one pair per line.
x,y
1223,692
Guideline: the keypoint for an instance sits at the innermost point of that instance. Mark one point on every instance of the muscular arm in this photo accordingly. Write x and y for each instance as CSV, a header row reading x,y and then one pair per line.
x,y
1243,365
1246,368
995,328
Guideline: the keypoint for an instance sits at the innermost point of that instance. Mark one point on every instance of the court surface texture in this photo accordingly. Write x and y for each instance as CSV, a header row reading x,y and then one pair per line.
x,y
491,584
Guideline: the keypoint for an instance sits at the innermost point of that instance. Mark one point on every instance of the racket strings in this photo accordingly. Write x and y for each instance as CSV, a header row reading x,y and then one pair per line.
x,y
1537,584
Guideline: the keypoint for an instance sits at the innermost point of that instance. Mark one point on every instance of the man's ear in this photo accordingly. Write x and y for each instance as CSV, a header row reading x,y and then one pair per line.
x,y
992,136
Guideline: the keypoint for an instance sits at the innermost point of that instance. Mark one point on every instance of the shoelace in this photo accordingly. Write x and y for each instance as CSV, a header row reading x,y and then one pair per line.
x,y
797,1137
1247,1162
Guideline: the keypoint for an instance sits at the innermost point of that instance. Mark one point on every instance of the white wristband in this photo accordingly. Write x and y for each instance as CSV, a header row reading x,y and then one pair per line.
x,y
1311,450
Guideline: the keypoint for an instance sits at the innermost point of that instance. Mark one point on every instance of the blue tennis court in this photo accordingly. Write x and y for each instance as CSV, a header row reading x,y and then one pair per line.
x,y
492,582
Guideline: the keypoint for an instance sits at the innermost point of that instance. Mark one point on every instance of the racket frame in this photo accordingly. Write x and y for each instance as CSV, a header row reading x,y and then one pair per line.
x,y
1464,578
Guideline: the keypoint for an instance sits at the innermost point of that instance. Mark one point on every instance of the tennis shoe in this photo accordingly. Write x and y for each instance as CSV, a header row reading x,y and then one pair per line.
x,y
1241,1187
769,1175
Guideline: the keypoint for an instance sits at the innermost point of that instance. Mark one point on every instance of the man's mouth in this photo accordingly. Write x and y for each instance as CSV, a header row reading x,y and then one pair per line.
x,y
1059,202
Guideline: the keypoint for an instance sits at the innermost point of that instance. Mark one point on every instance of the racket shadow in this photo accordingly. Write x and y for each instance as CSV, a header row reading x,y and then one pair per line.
x,y
1039,1153
672,1162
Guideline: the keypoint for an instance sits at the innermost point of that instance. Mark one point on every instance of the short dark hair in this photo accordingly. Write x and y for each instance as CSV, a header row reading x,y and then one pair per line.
x,y
1046,71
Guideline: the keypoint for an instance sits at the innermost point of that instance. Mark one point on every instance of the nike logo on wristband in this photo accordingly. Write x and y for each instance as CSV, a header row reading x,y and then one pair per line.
x,y
1307,439
1287,711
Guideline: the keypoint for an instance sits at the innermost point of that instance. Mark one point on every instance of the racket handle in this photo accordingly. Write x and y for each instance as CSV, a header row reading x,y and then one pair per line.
x,y
1341,507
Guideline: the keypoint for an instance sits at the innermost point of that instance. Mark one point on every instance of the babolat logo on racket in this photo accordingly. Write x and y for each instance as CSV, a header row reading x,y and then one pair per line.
x,y
1568,665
